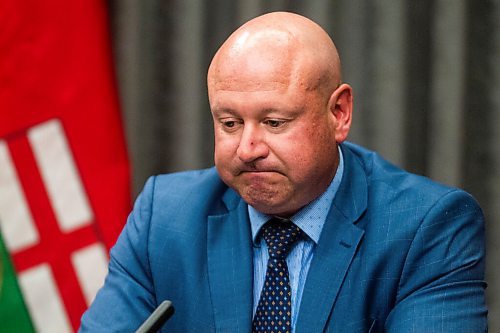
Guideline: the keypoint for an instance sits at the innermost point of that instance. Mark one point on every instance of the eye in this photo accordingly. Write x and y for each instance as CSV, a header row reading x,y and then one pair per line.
x,y
230,124
274,123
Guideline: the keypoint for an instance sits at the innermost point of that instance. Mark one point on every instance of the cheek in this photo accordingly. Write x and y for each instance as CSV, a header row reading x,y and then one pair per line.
x,y
295,154
225,149
312,148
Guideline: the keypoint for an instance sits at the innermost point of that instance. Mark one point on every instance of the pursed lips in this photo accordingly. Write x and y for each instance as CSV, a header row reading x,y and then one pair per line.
x,y
258,173
253,169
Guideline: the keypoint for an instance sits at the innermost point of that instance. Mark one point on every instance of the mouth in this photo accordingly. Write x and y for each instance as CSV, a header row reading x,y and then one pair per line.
x,y
256,172
258,176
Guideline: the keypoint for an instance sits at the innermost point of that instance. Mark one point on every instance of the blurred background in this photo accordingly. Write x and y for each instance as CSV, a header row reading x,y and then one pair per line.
x,y
426,76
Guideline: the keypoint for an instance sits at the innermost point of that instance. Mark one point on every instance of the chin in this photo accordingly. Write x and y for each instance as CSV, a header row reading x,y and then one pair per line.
x,y
268,204
273,198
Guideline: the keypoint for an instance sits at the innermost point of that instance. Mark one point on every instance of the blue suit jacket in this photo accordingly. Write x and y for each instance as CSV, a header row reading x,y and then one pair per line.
x,y
398,253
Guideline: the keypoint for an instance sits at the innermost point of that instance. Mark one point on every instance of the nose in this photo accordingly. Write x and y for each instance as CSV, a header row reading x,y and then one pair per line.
x,y
252,145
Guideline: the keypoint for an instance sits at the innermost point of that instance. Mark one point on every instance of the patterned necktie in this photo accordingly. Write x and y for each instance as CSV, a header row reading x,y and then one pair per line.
x,y
274,310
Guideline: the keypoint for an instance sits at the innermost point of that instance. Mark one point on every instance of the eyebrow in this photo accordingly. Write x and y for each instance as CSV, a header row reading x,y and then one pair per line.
x,y
225,110
232,112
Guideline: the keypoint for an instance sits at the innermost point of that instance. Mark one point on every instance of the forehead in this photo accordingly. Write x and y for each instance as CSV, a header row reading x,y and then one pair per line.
x,y
233,101
258,61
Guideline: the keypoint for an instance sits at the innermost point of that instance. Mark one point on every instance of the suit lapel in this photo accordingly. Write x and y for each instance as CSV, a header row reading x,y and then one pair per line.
x,y
335,250
230,266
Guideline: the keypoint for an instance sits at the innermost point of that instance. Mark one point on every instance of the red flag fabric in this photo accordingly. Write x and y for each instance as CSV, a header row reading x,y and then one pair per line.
x,y
64,173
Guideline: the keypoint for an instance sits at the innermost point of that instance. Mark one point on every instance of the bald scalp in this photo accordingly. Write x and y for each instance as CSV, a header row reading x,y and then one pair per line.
x,y
291,48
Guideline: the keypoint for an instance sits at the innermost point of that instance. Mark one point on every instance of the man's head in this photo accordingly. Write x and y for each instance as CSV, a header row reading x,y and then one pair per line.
x,y
279,111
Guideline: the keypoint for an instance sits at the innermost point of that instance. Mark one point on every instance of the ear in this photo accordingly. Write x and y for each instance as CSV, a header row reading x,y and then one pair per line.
x,y
340,105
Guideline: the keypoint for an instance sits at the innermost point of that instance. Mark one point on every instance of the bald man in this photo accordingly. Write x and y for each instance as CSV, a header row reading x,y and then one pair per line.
x,y
349,242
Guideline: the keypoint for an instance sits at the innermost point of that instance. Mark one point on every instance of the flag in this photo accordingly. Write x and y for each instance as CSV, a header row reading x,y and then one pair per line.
x,y
64,173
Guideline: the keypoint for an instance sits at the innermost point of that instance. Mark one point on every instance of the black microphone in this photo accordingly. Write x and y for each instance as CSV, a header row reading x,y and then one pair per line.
x,y
156,320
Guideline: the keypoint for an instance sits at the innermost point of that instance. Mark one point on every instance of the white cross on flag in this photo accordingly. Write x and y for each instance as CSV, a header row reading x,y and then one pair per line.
x,y
64,173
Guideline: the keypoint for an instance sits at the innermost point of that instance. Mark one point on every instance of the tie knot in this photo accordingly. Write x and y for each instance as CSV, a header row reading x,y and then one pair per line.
x,y
280,236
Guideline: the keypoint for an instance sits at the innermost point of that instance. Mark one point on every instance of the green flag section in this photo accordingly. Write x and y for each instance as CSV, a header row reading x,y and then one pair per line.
x,y
14,316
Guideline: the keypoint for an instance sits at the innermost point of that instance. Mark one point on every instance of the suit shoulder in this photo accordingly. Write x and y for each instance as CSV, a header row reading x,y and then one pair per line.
x,y
187,180
385,176
202,189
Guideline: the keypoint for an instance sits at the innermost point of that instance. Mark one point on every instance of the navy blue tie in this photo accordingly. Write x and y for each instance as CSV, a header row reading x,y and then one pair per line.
x,y
274,311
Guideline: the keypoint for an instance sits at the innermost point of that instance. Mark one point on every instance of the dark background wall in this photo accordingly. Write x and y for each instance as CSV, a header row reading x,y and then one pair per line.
x,y
426,76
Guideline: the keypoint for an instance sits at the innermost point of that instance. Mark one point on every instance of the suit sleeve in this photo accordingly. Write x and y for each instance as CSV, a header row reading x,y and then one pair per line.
x,y
442,284
127,297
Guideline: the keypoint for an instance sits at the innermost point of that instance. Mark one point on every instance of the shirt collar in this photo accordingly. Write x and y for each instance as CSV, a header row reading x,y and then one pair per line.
x,y
311,217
